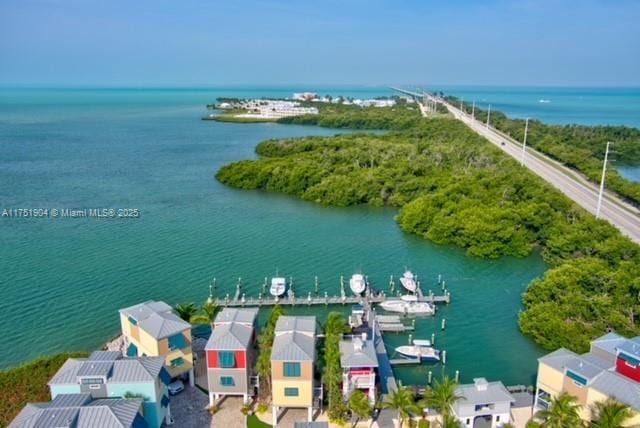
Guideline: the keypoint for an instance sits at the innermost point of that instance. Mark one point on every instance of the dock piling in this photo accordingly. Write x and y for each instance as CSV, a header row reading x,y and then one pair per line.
x,y
444,357
429,377
433,339
457,376
443,325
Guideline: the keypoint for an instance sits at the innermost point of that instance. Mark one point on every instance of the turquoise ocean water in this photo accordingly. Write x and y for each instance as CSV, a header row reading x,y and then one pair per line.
x,y
64,279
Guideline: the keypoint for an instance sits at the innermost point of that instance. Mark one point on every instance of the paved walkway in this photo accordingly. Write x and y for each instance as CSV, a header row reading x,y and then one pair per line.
x,y
189,409
229,415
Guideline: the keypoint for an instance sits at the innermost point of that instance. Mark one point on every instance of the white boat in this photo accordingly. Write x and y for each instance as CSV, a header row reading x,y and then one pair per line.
x,y
278,286
421,349
408,304
357,283
544,101
408,281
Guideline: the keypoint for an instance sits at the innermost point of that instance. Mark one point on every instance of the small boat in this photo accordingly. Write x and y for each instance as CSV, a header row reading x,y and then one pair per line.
x,y
543,101
408,304
421,349
278,286
358,283
408,281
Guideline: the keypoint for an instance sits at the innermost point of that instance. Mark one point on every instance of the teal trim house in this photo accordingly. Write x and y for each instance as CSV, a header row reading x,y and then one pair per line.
x,y
109,375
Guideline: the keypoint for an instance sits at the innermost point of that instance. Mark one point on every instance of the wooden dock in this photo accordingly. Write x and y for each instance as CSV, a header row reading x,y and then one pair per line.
x,y
404,361
241,300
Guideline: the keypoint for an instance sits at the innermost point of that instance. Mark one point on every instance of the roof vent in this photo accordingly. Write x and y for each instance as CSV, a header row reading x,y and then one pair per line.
x,y
481,384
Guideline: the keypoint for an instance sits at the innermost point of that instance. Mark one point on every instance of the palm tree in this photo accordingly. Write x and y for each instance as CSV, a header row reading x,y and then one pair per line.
x,y
449,421
563,413
442,396
359,405
609,414
401,400
207,315
186,310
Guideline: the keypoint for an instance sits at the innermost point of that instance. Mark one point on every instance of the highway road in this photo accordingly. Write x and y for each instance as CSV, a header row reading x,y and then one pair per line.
x,y
619,213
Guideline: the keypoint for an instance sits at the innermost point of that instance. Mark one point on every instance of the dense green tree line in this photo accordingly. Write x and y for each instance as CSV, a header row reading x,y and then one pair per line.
x,y
334,328
579,146
452,187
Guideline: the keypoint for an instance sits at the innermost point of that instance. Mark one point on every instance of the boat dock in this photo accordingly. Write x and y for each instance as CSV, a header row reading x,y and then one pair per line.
x,y
394,323
240,299
388,382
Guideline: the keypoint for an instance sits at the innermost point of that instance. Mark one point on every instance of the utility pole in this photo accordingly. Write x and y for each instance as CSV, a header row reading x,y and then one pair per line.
x,y
488,116
473,111
524,142
604,172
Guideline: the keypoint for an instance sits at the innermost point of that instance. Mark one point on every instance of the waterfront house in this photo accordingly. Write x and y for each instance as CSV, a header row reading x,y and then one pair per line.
x,y
359,364
152,329
109,375
82,411
482,403
292,364
611,369
230,353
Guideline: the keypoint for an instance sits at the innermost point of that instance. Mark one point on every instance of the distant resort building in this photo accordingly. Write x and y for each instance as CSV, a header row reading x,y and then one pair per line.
x,y
152,329
611,369
82,411
293,363
483,404
231,353
359,364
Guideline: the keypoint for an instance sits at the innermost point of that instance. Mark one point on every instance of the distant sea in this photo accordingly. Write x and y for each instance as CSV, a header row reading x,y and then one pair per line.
x,y
63,279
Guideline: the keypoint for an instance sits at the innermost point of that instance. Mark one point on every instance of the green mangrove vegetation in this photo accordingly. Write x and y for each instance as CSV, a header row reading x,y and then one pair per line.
x,y
580,147
452,187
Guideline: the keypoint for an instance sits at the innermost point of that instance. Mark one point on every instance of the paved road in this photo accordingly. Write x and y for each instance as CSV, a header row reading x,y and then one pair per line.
x,y
585,193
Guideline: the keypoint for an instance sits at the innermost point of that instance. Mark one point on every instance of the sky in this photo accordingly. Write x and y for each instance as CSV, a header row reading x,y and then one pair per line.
x,y
253,42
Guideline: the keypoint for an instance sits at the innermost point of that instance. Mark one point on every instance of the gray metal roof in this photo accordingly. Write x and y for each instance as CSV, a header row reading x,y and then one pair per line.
x,y
483,392
618,386
157,319
295,339
358,353
238,315
608,342
61,413
105,355
631,347
311,424
125,370
583,367
299,323
232,336
587,365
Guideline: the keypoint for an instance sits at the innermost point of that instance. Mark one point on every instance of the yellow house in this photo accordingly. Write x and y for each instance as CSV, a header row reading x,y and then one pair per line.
x,y
152,329
292,364
606,371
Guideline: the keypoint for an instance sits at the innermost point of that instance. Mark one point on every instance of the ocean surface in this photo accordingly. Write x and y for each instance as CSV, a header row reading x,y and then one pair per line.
x,y
64,279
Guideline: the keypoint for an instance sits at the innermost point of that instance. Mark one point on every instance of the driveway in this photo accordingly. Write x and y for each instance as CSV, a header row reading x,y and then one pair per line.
x,y
189,409
229,414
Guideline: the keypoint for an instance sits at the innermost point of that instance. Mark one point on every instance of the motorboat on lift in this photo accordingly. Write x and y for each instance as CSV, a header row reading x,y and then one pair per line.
x,y
408,281
357,283
421,349
278,286
408,304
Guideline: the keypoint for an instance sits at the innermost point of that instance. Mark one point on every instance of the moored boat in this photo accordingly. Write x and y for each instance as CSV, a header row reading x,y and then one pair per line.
x,y
408,281
278,286
421,349
408,304
358,283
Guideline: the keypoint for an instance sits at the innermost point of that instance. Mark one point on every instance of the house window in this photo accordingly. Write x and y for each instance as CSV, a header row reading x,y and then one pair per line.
x,y
291,392
92,381
577,379
133,321
628,364
291,369
497,418
227,359
227,381
177,362
177,341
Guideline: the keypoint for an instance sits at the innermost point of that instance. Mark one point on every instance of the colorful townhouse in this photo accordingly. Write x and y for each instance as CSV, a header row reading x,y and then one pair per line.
x,y
611,369
152,329
231,354
359,365
483,403
292,364
109,375
82,411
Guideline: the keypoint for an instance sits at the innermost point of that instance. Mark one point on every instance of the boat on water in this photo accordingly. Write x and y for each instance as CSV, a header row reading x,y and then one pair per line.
x,y
278,286
408,304
544,101
421,349
408,281
358,283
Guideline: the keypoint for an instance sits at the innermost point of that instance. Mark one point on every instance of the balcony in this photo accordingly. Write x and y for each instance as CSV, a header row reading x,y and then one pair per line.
x,y
360,381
